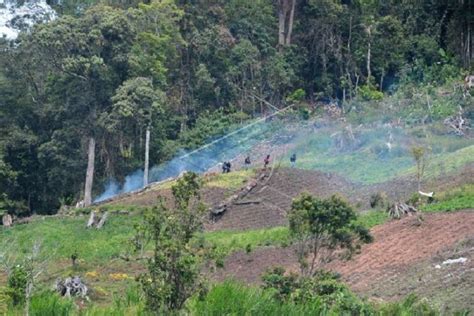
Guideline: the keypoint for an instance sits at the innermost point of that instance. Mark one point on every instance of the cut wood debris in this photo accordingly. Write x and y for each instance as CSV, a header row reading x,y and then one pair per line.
x,y
398,210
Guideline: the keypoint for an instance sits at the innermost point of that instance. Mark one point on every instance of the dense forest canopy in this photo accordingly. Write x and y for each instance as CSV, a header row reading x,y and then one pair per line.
x,y
101,75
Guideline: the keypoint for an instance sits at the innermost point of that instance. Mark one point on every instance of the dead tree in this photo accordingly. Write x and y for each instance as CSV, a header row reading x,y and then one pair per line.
x,y
71,287
90,172
398,210
457,123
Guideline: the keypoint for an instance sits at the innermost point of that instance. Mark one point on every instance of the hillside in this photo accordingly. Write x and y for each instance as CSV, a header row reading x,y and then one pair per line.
x,y
236,157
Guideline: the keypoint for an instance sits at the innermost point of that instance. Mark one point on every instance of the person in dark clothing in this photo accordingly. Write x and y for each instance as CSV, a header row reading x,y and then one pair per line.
x,y
266,161
229,166
247,162
224,167
293,160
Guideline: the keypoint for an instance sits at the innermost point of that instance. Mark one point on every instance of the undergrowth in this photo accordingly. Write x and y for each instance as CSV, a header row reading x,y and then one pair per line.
x,y
456,199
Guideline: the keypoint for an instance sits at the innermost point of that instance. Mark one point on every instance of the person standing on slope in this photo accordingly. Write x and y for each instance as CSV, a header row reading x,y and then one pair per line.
x,y
293,160
266,161
247,162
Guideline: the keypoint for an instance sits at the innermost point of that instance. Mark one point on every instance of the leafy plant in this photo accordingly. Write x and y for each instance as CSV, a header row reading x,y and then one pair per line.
x,y
173,267
321,228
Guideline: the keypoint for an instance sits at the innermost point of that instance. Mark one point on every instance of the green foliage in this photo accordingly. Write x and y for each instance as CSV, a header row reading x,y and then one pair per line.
x,y
369,93
232,298
296,96
457,199
173,268
321,227
5,300
230,241
17,281
50,303
411,305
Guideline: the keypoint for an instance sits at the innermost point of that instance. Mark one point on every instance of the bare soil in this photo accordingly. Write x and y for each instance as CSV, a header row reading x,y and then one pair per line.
x,y
401,260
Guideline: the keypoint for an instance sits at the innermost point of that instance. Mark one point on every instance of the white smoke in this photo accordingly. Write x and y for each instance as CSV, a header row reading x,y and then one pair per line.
x,y
216,151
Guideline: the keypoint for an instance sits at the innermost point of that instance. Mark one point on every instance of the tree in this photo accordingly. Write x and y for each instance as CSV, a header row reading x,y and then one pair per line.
x,y
286,14
135,105
89,58
419,154
321,228
174,265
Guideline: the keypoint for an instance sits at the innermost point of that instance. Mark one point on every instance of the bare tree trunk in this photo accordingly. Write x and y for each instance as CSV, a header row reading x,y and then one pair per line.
x,y
381,81
90,172
281,26
147,156
290,22
369,73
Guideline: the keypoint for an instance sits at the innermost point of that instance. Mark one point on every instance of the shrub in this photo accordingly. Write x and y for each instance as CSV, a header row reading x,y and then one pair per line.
x,y
368,92
17,280
379,200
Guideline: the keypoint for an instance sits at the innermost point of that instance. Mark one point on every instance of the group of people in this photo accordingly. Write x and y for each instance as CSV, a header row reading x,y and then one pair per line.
x,y
226,165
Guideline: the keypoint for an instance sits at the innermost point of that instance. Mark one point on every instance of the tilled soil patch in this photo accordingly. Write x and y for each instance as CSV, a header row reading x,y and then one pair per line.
x,y
401,259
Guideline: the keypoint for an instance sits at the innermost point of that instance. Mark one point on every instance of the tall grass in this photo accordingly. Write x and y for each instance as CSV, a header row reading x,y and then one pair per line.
x,y
231,298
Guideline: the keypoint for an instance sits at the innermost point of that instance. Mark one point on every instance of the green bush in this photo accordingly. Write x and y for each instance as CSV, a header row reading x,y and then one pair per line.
x,y
369,93
17,280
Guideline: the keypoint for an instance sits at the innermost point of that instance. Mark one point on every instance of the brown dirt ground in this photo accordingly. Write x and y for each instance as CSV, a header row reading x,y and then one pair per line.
x,y
401,260
285,184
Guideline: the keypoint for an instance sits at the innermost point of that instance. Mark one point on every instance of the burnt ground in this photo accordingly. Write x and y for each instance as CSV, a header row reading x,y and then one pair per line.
x,y
401,260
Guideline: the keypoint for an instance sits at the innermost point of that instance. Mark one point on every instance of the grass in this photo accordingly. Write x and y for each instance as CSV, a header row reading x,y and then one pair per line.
x,y
446,163
229,241
372,218
60,237
371,162
231,181
456,199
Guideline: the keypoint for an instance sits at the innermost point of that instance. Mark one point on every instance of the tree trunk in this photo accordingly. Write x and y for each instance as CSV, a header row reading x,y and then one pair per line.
x,y
147,156
381,81
90,173
369,73
290,22
281,24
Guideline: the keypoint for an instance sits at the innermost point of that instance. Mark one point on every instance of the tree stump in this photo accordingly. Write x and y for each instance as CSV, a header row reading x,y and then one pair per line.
x,y
7,220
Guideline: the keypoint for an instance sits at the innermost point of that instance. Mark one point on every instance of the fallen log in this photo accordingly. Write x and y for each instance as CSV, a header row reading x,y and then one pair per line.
x,y
102,220
398,210
96,221
248,202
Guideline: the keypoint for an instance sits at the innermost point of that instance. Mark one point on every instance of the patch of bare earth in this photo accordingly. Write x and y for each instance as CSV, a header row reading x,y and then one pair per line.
x,y
401,260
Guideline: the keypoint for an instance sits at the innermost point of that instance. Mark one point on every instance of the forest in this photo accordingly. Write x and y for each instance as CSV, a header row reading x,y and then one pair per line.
x,y
84,92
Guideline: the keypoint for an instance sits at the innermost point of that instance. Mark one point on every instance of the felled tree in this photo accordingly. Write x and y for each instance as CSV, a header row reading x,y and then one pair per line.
x,y
323,229
174,265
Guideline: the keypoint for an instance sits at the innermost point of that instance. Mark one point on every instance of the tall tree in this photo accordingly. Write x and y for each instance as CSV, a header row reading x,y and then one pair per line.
x,y
135,105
